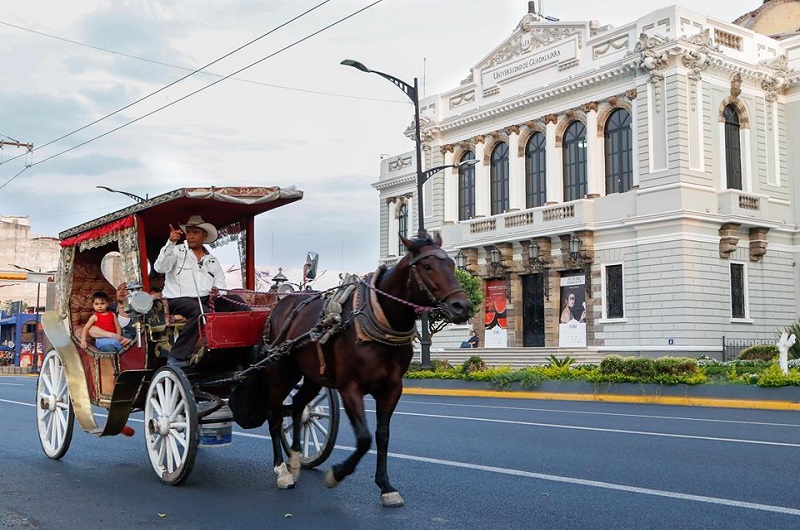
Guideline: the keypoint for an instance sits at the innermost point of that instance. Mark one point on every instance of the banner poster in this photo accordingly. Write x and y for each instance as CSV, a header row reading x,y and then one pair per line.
x,y
496,319
572,318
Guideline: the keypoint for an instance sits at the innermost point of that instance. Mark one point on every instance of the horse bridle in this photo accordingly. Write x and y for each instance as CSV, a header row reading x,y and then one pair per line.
x,y
423,282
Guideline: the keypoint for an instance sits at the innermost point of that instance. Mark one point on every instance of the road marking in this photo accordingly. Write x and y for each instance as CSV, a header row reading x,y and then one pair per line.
x,y
601,429
595,413
11,384
556,478
603,485
610,398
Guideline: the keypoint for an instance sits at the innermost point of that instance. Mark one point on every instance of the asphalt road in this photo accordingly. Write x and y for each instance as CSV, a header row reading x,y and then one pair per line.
x,y
460,463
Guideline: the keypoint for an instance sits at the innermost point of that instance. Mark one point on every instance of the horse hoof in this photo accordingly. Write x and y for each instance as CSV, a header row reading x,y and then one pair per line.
x,y
392,500
294,465
330,480
285,480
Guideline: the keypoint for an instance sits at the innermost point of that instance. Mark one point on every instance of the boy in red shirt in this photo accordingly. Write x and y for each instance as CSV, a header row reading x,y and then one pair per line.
x,y
103,326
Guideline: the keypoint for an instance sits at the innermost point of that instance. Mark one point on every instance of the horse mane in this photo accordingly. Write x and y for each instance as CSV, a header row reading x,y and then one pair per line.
x,y
420,240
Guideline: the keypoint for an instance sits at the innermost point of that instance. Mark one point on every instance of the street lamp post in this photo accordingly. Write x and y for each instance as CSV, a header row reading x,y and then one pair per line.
x,y
127,194
412,92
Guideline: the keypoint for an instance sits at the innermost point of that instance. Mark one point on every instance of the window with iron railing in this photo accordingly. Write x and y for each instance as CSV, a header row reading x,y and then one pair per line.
x,y
615,307
738,292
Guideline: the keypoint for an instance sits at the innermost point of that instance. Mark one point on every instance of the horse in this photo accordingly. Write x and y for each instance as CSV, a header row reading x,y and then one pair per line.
x,y
367,351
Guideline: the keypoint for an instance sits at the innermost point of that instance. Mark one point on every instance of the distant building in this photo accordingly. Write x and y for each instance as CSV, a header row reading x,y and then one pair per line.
x,y
646,171
18,246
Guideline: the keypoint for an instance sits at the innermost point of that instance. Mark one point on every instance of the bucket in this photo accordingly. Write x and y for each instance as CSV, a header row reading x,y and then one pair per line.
x,y
215,429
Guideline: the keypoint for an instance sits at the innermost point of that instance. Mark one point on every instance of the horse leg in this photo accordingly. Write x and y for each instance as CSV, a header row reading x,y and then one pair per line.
x,y
385,404
275,418
353,401
303,397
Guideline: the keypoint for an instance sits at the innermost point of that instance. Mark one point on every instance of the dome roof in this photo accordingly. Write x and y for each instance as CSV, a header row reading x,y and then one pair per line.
x,y
775,18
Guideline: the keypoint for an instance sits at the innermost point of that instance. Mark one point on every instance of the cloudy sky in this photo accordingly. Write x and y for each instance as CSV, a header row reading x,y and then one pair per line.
x,y
296,118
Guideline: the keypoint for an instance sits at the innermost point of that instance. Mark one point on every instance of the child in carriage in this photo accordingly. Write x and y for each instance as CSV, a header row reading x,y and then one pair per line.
x,y
103,326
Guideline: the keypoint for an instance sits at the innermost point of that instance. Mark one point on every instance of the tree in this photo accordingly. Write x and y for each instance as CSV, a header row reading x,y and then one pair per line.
x,y
472,286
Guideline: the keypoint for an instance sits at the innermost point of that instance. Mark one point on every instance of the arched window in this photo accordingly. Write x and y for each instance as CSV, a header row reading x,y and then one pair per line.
x,y
619,152
535,171
733,148
402,228
499,179
466,189
574,147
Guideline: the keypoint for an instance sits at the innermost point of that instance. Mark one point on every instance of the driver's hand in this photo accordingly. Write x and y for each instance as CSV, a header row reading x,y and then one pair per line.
x,y
175,234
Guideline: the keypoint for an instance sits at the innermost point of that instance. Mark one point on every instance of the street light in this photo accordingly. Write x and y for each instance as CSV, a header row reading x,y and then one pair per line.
x,y
412,92
131,195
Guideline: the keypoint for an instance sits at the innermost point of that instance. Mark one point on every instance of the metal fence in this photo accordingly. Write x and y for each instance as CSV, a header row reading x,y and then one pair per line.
x,y
732,347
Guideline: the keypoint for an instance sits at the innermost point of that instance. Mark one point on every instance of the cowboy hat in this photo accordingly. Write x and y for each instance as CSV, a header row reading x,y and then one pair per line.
x,y
197,221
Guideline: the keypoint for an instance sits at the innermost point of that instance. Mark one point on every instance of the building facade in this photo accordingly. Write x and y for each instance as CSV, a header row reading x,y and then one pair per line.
x,y
19,246
635,190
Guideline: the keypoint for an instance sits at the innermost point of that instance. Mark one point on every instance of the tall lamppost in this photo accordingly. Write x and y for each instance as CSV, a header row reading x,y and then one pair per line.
x,y
412,91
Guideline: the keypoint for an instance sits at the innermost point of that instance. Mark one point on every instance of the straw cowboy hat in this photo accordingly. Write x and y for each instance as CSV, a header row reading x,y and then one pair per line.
x,y
197,221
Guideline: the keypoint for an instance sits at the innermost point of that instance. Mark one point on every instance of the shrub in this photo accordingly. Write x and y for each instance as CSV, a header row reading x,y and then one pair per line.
x,y
773,376
612,364
472,365
441,365
675,366
759,352
560,363
793,329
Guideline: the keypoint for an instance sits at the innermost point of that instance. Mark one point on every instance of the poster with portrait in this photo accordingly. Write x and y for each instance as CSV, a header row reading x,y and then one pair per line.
x,y
572,317
496,317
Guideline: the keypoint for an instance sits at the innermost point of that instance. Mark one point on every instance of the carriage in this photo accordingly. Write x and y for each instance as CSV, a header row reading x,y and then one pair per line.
x,y
182,408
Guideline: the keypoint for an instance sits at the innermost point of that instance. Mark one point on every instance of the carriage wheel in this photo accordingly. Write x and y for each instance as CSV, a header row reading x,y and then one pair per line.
x,y
171,430
320,426
54,415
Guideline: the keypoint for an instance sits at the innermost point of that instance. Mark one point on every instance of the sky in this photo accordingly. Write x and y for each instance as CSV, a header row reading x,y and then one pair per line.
x,y
297,118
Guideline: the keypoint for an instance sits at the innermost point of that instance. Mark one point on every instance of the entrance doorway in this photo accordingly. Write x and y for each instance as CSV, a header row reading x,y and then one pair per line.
x,y
533,310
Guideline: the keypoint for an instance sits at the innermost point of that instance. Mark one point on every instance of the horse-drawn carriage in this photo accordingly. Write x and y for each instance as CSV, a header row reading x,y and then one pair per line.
x,y
291,355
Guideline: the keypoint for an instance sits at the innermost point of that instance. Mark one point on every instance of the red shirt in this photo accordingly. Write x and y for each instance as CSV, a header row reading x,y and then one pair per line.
x,y
105,321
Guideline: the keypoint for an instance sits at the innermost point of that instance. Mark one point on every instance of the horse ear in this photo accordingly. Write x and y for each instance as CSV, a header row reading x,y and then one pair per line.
x,y
438,240
406,242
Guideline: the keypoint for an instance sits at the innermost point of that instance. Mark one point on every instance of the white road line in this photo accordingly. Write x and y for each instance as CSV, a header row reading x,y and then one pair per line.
x,y
604,485
594,413
552,478
601,429
11,384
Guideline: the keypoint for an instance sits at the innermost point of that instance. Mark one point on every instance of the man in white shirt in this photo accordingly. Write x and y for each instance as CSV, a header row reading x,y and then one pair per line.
x,y
191,273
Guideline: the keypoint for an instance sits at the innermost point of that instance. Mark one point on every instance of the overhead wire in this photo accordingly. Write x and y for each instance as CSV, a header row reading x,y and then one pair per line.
x,y
173,83
213,74
281,50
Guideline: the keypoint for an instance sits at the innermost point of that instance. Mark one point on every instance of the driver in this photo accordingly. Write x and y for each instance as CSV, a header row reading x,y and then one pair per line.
x,y
191,272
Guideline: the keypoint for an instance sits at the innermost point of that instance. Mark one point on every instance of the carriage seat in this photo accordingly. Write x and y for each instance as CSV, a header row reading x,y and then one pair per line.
x,y
86,280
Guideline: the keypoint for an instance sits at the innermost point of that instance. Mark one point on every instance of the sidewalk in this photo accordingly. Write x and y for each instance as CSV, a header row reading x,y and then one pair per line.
x,y
727,396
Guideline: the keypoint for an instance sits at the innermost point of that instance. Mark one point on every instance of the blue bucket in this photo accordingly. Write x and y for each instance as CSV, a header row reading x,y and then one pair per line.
x,y
216,429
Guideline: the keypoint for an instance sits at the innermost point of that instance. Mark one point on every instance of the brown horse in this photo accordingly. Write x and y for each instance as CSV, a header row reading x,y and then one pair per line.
x,y
368,353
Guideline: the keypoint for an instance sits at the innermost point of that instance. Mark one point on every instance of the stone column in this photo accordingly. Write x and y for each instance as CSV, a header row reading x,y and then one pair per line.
x,y
595,165
555,177
516,171
392,240
450,187
482,192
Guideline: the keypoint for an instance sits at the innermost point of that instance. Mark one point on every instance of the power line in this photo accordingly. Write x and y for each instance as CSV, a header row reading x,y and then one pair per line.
x,y
295,43
160,63
129,105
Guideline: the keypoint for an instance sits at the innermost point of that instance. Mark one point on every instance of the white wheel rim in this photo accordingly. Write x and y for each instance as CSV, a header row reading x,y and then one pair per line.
x,y
168,424
315,425
52,404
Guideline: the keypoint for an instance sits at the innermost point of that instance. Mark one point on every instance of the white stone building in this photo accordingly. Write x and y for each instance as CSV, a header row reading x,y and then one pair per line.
x,y
664,148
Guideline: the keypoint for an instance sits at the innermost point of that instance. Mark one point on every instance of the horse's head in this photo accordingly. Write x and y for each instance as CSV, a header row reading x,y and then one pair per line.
x,y
432,277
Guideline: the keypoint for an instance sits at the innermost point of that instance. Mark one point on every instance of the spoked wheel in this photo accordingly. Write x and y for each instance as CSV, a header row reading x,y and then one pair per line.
x,y
171,431
319,428
54,415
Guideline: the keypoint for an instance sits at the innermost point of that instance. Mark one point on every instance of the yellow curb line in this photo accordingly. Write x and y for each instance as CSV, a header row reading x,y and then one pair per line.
x,y
611,398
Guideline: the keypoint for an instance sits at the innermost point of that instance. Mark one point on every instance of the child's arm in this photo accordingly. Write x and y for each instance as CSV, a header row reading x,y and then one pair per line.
x,y
85,332
117,327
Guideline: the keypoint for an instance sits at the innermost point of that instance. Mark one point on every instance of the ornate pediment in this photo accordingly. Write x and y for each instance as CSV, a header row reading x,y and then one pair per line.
x,y
530,36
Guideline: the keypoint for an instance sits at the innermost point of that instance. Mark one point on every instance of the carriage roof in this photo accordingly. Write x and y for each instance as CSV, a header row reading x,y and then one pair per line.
x,y
218,206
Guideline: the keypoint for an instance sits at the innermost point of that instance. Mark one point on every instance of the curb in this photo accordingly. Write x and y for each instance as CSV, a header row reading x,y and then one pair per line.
x,y
652,399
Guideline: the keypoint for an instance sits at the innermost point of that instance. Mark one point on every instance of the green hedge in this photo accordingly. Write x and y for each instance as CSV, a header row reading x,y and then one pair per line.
x,y
618,369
